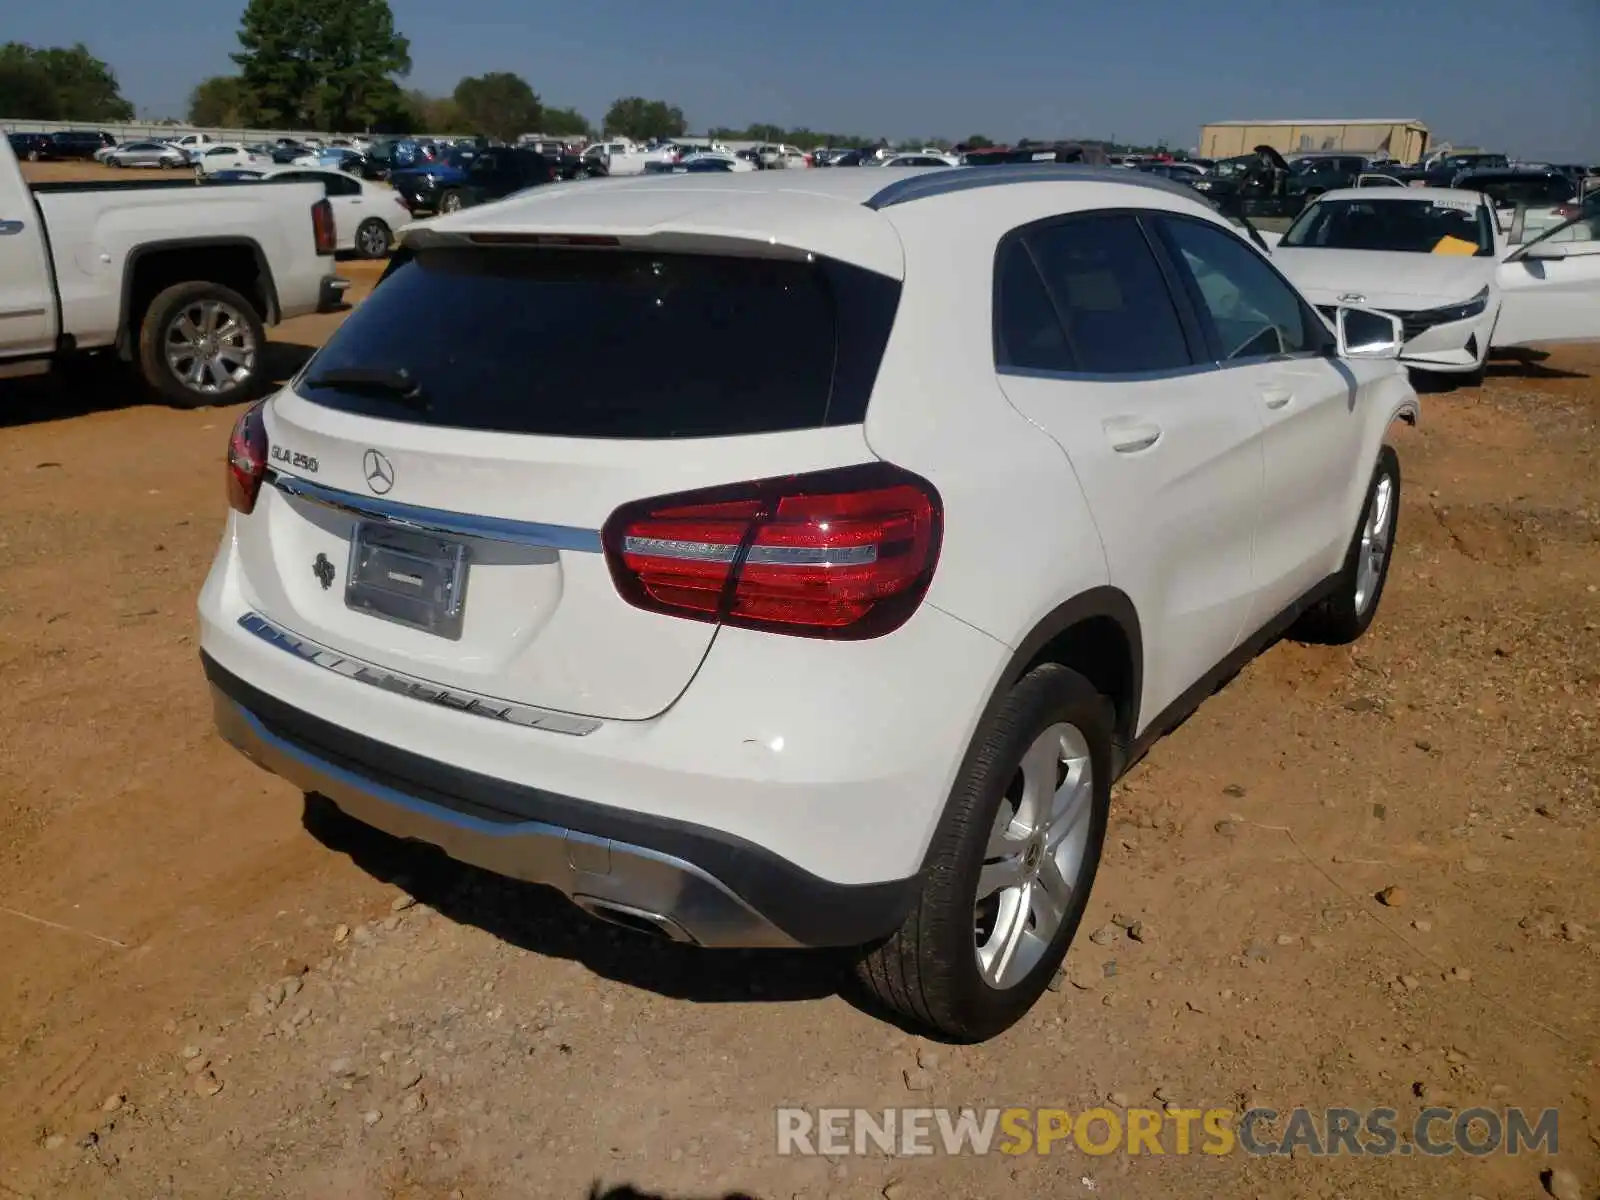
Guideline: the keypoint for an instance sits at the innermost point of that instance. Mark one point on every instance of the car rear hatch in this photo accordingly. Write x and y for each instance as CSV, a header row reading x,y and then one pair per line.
x,y
442,469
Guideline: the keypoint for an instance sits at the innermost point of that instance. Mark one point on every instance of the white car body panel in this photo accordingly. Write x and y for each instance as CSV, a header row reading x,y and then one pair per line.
x,y
1551,300
94,235
836,755
1531,301
229,157
371,201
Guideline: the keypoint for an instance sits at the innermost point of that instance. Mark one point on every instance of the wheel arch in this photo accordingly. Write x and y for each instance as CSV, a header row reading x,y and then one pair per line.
x,y
152,267
1096,633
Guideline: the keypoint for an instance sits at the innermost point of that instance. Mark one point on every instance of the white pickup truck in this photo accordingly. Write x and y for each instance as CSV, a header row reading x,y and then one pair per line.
x,y
174,278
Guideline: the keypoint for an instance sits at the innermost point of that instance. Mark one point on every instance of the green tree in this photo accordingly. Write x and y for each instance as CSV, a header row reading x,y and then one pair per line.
x,y
499,104
221,100
434,114
977,142
59,83
329,63
565,123
641,119
26,90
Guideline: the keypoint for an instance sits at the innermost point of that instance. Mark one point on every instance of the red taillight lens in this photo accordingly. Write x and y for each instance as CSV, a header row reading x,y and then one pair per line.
x,y
322,229
847,553
247,459
1567,211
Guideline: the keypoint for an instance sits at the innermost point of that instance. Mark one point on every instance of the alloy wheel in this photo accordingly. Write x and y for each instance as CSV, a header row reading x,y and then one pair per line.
x,y
1036,856
210,348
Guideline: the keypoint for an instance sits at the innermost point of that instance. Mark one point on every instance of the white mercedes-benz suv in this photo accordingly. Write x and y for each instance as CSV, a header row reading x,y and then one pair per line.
x,y
846,654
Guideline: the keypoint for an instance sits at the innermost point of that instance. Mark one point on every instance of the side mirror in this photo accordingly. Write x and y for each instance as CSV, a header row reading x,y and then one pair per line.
x,y
1366,333
1546,249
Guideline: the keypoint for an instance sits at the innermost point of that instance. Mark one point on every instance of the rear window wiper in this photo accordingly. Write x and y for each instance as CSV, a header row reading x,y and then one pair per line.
x,y
393,382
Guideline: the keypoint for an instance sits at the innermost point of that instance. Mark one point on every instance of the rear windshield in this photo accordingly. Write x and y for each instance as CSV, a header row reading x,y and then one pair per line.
x,y
612,344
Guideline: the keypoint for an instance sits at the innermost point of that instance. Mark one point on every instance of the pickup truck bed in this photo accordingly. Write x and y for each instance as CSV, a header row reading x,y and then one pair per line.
x,y
177,279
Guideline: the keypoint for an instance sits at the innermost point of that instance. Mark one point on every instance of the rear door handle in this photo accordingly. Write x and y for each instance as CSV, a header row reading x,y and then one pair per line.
x,y
1128,435
1276,397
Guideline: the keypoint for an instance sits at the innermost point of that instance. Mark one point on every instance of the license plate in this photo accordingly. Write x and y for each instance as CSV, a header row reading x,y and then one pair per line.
x,y
409,578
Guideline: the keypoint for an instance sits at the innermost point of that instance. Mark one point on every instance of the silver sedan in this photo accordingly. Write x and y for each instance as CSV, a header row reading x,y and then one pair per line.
x,y
147,154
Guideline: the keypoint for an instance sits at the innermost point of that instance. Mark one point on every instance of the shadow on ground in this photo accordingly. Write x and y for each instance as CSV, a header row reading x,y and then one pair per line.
x,y
542,921
104,383
628,1192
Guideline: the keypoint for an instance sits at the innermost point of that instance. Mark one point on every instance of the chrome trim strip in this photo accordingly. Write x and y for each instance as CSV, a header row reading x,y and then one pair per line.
x,y
438,520
476,704
962,179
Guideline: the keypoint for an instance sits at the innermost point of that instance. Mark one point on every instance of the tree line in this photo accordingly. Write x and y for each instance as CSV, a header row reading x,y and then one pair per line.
x,y
58,83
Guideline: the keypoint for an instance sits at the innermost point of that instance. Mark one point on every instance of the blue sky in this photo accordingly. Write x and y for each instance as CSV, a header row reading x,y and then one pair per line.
x,y
1519,77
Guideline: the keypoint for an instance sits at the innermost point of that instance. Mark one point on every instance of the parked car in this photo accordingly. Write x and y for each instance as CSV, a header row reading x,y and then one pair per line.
x,y
220,156
465,181
1526,202
79,143
184,278
32,147
716,649
365,215
1436,260
147,154
922,160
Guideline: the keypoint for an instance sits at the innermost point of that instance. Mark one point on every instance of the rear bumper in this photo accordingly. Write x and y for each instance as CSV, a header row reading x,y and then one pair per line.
x,y
330,295
693,884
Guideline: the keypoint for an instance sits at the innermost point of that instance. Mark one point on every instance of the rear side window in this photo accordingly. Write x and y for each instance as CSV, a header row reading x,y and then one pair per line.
x,y
1028,334
613,344
1111,295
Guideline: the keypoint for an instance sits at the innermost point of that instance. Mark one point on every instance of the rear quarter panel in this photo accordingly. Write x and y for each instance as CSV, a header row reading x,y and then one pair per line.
x,y
1019,538
96,234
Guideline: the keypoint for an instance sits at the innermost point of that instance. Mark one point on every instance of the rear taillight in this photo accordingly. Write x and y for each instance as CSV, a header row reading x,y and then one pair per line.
x,y
247,459
322,227
1567,211
846,553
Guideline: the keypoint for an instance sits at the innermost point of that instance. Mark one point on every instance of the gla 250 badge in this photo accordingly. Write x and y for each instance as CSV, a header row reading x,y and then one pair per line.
x,y
293,458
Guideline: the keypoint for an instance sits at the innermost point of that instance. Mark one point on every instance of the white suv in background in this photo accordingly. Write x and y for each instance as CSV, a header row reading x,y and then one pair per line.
x,y
847,654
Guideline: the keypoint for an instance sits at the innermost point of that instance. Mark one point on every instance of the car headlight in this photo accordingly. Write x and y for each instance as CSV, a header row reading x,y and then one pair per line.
x,y
1458,312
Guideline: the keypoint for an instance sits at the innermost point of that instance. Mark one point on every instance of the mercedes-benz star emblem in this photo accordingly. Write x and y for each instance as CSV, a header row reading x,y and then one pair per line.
x,y
323,570
1352,298
379,474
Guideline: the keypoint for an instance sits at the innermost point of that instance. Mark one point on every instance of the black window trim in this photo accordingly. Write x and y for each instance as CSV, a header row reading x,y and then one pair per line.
x,y
1200,352
1327,344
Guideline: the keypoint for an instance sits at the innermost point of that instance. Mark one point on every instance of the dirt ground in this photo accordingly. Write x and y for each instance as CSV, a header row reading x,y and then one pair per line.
x,y
210,991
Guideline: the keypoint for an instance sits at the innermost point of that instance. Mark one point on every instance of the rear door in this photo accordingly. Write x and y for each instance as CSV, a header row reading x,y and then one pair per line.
x,y
1550,287
1276,355
1093,348
449,526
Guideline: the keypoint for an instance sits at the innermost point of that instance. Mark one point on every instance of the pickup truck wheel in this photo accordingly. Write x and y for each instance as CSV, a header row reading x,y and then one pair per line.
x,y
1344,615
450,202
200,344
372,238
1011,865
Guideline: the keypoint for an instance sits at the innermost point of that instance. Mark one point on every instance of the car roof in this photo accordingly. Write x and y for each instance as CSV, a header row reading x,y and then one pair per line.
x,y
833,213
1408,193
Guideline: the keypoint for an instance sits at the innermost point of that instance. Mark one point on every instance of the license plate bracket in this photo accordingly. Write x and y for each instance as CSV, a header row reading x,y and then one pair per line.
x,y
408,577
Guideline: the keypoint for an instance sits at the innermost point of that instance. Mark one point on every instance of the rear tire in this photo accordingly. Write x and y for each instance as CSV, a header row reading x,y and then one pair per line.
x,y
191,365
1016,851
1344,615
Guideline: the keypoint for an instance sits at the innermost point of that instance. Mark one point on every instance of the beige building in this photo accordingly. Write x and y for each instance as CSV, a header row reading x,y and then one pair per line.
x,y
1404,140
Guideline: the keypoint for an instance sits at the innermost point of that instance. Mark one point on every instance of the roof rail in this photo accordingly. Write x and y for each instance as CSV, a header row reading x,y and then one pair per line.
x,y
961,179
